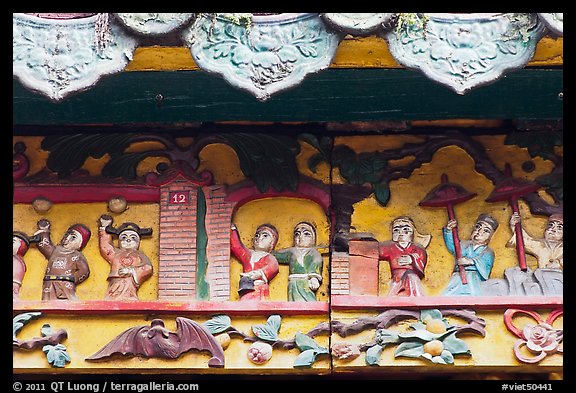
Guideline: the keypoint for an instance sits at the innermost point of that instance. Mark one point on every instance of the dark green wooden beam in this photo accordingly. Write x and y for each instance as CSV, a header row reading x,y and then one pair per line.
x,y
331,95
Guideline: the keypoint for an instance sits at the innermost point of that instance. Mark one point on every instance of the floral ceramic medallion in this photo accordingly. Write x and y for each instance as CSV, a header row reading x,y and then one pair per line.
x,y
357,23
60,56
153,23
554,22
464,51
263,54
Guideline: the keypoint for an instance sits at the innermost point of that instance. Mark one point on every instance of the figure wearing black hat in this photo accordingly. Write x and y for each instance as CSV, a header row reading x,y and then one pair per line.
x,y
20,244
129,267
477,257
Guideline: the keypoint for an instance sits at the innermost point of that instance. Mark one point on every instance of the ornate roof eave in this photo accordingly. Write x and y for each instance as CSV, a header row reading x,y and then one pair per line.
x,y
60,54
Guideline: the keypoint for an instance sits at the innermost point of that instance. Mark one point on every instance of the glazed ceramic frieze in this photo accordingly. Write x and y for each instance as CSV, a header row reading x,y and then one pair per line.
x,y
553,21
57,57
268,55
464,51
154,23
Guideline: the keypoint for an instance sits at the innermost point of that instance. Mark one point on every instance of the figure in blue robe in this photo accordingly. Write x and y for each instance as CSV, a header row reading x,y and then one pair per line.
x,y
477,258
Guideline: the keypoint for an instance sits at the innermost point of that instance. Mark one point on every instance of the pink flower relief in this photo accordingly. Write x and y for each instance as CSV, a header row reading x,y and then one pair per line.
x,y
345,351
541,338
260,352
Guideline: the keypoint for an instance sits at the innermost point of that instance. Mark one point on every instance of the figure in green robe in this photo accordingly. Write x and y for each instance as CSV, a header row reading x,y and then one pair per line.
x,y
304,262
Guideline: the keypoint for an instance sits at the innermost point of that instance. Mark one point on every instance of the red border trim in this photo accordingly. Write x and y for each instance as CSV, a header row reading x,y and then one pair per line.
x,y
304,190
70,193
345,302
94,307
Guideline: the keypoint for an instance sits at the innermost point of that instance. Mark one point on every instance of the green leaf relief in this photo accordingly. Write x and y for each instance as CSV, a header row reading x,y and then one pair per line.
x,y
430,314
305,359
56,355
265,332
46,330
373,355
274,321
218,323
304,342
455,345
409,349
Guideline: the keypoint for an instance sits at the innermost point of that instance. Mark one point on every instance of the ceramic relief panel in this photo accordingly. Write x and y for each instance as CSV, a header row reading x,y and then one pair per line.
x,y
464,51
263,54
58,57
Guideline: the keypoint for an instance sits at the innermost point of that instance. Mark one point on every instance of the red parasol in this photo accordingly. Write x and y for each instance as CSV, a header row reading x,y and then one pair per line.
x,y
447,195
510,189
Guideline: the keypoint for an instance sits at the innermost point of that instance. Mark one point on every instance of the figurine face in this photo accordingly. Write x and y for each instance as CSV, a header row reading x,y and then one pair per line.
x,y
129,240
15,244
264,240
72,240
554,231
481,233
402,231
304,236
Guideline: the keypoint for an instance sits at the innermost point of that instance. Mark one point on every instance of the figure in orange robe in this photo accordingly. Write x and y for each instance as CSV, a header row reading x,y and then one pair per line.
x,y
129,267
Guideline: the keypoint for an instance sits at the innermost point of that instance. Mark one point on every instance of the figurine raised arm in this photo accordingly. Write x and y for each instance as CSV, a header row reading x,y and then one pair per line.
x,y
304,264
406,253
129,267
259,265
549,250
67,267
477,257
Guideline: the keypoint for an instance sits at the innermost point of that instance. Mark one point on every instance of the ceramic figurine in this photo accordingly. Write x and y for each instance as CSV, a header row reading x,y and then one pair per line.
x,y
67,266
129,267
477,257
259,264
304,264
20,244
549,250
406,253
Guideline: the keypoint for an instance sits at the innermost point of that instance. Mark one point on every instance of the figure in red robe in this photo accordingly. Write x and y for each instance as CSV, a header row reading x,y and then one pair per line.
x,y
260,266
407,258
20,244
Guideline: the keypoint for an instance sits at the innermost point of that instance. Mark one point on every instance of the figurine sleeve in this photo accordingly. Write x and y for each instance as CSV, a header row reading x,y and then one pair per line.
x,y
238,249
283,256
419,259
143,271
271,269
45,244
105,244
82,269
448,240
